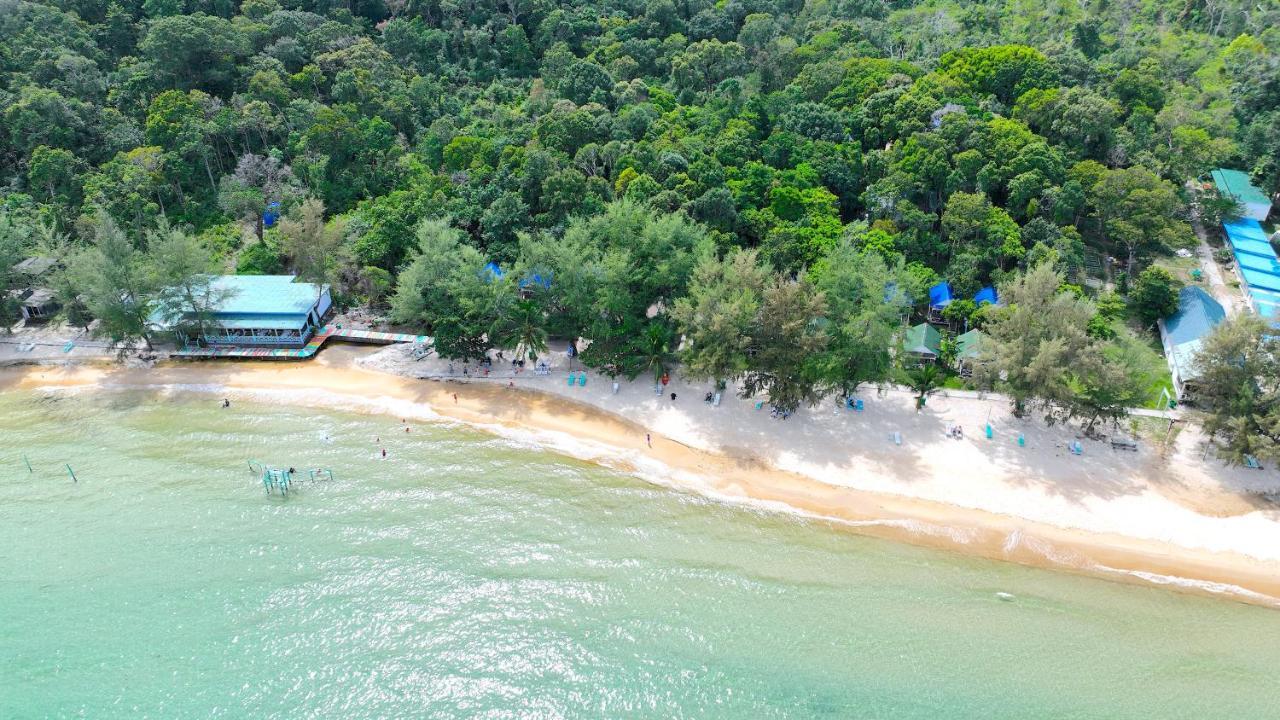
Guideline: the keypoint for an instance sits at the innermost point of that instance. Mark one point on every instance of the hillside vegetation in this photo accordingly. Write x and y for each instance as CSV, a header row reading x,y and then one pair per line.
x,y
763,188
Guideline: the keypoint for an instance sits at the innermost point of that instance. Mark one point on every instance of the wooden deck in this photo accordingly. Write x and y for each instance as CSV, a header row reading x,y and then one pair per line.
x,y
309,350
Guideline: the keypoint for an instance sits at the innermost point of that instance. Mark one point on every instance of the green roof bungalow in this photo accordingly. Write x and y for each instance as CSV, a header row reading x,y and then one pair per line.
x,y
968,350
922,343
1236,185
251,310
1183,332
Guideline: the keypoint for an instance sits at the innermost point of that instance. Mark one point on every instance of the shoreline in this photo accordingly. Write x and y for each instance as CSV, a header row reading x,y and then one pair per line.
x,y
343,378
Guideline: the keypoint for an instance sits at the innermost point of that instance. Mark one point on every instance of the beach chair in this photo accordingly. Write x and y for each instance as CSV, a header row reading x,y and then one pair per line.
x,y
896,437
990,432
1251,462
615,388
759,404
715,401
857,405
571,379
1076,448
582,379
1022,441
70,344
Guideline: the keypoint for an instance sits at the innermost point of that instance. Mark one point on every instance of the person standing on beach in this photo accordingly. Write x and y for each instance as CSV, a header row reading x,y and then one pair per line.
x,y
648,440
455,398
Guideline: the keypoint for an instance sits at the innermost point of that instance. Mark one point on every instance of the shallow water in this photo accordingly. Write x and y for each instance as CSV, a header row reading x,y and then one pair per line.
x,y
467,576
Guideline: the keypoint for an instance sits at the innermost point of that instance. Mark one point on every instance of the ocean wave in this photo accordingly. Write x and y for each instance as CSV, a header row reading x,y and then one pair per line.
x,y
1210,586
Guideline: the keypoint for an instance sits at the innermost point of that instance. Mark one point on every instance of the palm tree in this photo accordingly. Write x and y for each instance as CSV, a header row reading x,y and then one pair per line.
x,y
924,381
527,329
654,349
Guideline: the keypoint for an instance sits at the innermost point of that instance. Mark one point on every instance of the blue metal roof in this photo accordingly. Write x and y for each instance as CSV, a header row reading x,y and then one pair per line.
x,y
1198,314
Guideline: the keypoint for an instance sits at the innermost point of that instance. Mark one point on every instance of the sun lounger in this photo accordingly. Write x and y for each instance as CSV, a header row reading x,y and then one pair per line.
x,y
896,437
1076,448
857,405
1252,462
571,379
1022,441
990,432
70,344
759,404
582,380
1124,444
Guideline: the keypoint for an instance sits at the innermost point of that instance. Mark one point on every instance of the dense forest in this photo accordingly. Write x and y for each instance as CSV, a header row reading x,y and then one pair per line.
x,y
762,189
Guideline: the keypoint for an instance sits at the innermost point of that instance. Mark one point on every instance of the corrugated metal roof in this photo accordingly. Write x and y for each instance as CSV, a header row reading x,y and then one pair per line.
x,y
1237,185
969,345
260,321
265,294
923,339
1198,314
259,301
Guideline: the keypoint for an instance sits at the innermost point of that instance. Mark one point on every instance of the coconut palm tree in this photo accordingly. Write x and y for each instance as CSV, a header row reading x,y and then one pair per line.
x,y
655,349
924,381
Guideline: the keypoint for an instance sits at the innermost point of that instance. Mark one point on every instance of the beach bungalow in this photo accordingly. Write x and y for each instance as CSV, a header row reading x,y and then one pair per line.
x,y
1183,332
253,310
1236,185
968,350
35,301
922,343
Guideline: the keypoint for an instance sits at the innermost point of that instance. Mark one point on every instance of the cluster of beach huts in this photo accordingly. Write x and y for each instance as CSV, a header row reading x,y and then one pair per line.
x,y
278,311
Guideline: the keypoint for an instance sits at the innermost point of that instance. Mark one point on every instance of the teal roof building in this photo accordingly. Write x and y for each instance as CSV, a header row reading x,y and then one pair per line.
x,y
1183,332
1236,185
257,310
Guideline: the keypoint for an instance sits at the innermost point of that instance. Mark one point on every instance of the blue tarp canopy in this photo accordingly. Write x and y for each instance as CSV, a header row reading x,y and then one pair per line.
x,y
493,271
940,295
987,295
543,281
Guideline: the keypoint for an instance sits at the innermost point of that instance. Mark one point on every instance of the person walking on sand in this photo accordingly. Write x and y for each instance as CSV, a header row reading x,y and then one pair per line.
x,y
455,398
226,403
384,453
648,440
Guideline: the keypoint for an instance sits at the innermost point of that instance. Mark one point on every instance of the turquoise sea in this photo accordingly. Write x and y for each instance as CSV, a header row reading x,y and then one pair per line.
x,y
468,576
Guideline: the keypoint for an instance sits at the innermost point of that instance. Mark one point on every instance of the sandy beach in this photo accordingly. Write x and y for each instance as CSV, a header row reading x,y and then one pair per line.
x,y
1164,515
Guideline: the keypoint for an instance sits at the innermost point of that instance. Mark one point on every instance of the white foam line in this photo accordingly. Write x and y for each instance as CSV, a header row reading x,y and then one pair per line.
x,y
1217,588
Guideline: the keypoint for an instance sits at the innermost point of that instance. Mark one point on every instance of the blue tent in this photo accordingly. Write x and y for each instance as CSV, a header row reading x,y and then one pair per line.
x,y
940,295
987,295
493,271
